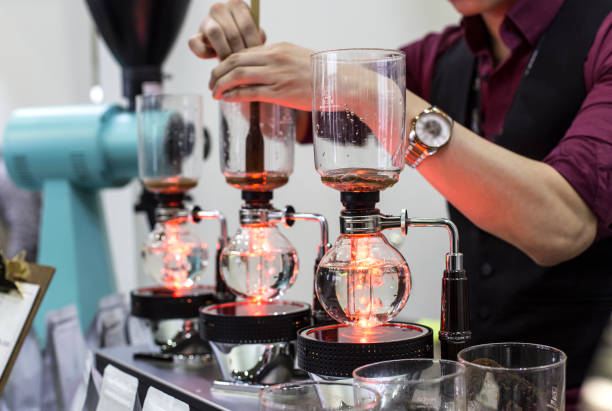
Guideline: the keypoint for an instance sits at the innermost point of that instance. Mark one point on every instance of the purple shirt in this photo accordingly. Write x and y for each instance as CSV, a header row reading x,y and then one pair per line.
x,y
584,154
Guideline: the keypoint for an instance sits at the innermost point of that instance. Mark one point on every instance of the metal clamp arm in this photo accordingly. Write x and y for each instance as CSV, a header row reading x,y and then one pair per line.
x,y
454,259
197,214
290,217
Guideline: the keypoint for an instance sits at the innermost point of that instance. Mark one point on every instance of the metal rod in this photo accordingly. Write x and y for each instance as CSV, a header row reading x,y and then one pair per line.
x,y
437,222
197,214
319,315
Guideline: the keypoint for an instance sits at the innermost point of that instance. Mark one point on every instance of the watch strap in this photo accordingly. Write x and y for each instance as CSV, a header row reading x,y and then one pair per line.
x,y
416,152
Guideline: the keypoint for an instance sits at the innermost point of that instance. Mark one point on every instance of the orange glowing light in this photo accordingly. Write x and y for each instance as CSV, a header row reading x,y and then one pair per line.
x,y
260,251
177,252
363,274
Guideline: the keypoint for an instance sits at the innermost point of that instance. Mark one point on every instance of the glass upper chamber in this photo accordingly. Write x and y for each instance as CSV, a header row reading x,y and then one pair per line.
x,y
170,142
257,144
259,262
359,117
363,280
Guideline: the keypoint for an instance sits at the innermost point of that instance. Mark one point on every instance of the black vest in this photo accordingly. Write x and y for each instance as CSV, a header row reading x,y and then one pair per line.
x,y
512,298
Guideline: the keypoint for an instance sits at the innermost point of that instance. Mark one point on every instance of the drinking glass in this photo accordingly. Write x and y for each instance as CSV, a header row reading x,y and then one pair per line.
x,y
318,396
415,384
514,376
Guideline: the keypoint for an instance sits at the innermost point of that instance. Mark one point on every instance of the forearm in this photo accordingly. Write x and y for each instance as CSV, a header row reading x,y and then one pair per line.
x,y
524,202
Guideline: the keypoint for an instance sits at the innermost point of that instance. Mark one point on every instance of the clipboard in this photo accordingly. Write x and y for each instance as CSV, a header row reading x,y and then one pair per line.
x,y
41,275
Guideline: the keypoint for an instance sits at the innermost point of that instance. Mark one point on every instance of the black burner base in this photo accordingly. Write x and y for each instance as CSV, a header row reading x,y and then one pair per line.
x,y
335,350
161,303
248,322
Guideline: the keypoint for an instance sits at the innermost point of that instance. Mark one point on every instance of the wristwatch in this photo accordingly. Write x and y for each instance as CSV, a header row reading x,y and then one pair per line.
x,y
429,132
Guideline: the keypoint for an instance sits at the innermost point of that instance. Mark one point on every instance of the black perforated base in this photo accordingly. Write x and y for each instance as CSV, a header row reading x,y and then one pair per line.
x,y
161,303
323,357
251,323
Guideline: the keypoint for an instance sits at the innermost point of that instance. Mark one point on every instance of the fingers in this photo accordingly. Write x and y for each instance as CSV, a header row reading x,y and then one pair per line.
x,y
241,77
228,29
260,92
255,56
244,21
199,47
224,18
212,32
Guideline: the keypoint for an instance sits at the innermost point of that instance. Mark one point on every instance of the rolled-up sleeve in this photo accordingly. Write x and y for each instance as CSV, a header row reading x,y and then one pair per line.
x,y
584,155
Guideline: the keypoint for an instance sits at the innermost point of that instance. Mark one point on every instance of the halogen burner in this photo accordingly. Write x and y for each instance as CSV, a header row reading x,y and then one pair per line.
x,y
248,322
161,303
336,350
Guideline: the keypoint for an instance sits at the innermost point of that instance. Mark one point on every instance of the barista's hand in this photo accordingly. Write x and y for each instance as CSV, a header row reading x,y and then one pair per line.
x,y
228,29
278,73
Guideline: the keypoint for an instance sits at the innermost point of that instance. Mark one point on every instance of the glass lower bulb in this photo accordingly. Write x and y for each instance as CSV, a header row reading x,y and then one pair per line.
x,y
259,263
173,255
363,280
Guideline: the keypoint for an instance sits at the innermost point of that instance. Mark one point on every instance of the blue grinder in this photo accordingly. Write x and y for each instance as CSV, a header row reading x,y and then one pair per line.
x,y
72,152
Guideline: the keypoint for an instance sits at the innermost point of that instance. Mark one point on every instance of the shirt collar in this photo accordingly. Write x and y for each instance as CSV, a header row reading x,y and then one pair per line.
x,y
525,20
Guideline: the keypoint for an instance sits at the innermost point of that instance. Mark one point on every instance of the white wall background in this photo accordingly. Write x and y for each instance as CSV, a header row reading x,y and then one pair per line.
x,y
45,58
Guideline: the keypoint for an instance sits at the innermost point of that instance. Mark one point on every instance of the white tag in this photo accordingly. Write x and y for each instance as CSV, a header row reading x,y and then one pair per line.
x,y
159,401
15,310
118,391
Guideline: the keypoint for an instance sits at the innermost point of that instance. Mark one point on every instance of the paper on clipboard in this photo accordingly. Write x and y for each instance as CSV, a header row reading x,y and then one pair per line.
x,y
14,312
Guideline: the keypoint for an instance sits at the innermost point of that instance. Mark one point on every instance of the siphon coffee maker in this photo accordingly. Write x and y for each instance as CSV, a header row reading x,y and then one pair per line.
x,y
170,156
254,339
362,281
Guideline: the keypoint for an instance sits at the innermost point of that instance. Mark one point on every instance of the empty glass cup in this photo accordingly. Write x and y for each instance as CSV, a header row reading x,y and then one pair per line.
x,y
514,376
318,396
415,384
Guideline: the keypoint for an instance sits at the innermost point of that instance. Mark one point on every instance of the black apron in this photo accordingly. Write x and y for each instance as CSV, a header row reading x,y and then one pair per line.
x,y
513,299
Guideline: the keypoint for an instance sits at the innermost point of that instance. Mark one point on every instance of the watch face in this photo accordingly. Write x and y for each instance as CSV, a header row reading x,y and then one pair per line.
x,y
433,130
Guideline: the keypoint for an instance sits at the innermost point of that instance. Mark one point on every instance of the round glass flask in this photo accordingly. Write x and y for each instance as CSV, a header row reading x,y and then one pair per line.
x,y
359,117
363,280
173,255
259,262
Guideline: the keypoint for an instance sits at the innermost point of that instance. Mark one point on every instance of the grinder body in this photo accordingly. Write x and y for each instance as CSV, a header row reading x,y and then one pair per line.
x,y
70,153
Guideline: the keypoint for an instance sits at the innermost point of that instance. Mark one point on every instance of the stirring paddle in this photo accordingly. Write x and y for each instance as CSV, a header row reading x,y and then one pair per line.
x,y
254,140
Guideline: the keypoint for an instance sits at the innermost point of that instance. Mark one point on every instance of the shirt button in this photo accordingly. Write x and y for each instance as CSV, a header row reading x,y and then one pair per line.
x,y
486,270
484,313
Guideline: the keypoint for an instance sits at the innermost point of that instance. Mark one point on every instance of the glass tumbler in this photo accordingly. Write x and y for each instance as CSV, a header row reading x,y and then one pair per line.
x,y
415,384
359,118
318,396
514,376
170,141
